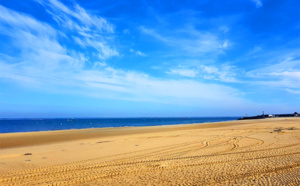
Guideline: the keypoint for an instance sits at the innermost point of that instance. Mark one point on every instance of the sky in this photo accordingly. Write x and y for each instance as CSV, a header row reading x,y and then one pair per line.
x,y
87,58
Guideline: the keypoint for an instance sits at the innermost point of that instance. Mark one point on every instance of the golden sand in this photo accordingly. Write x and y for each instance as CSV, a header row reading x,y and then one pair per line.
x,y
259,152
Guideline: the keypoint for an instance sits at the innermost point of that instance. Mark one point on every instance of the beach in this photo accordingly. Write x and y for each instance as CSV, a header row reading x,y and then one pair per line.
x,y
245,152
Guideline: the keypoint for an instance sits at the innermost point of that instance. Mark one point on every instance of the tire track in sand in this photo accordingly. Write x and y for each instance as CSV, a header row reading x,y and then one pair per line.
x,y
67,171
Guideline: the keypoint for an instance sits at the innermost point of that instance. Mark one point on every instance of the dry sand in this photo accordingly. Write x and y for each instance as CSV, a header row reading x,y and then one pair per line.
x,y
259,152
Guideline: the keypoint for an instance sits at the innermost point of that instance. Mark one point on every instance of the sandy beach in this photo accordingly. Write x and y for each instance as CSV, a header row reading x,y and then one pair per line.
x,y
259,152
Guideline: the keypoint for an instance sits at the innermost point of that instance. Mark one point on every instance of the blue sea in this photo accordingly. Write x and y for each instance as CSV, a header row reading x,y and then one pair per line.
x,y
31,125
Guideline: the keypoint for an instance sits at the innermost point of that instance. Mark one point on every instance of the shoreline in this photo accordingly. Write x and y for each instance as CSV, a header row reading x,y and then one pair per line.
x,y
22,139
175,124
33,125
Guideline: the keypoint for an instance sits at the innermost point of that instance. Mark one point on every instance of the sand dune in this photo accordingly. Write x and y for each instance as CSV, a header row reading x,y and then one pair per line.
x,y
239,152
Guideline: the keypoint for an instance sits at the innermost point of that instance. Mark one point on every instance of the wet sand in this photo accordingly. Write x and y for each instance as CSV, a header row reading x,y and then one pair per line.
x,y
238,152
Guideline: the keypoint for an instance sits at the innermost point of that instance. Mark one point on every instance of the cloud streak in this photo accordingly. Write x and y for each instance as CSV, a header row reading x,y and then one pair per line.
x,y
77,19
190,40
283,75
137,52
223,73
87,30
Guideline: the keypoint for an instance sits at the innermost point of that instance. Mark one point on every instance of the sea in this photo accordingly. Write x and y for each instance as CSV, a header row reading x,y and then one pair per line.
x,y
32,125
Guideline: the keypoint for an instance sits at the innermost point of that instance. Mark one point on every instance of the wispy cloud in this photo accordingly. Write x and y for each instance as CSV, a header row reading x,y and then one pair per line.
x,y
140,53
137,52
87,30
293,91
12,20
184,72
284,75
77,19
126,31
46,64
224,28
190,40
223,73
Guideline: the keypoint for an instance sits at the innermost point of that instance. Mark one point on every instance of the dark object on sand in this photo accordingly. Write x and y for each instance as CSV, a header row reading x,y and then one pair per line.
x,y
291,128
103,141
254,117
277,130
27,154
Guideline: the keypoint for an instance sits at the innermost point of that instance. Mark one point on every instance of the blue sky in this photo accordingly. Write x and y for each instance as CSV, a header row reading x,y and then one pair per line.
x,y
122,58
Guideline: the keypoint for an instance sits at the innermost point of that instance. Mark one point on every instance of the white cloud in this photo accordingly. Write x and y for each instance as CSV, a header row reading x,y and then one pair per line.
x,y
258,3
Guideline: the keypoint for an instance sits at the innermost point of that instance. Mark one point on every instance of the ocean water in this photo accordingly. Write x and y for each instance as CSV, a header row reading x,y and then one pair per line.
x,y
30,125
